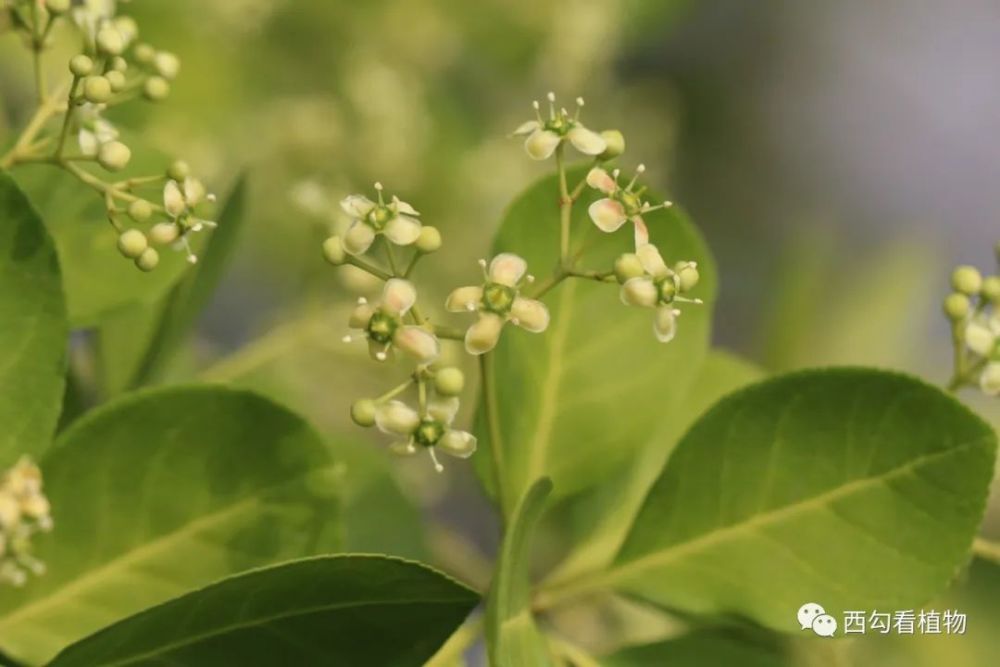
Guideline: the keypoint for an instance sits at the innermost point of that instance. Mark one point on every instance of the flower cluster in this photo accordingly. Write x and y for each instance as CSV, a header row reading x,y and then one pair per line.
x,y
974,311
24,512
112,68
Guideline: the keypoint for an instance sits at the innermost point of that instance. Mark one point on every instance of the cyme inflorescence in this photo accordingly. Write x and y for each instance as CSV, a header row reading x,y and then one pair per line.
x,y
974,311
24,512
111,69
387,239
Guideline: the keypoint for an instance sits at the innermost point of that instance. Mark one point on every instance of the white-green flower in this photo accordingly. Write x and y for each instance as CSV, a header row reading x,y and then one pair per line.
x,y
179,202
621,205
382,324
497,302
95,131
24,511
396,221
431,430
92,14
982,335
660,287
545,135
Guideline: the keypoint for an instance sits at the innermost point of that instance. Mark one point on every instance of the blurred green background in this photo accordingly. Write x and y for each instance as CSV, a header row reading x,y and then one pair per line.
x,y
839,157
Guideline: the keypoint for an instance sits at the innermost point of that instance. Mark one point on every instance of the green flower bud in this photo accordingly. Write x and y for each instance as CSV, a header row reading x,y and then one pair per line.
x,y
967,280
628,266
119,64
127,28
178,171
429,239
333,250
991,289
363,412
140,210
116,79
81,65
956,306
132,243
167,64
148,260
57,7
156,89
97,89
449,381
110,41
615,141
688,274
164,233
144,54
114,156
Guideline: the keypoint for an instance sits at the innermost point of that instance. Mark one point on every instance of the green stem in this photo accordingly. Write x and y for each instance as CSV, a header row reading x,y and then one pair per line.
x,y
490,413
37,43
365,266
565,208
986,549
451,333
68,117
571,654
453,649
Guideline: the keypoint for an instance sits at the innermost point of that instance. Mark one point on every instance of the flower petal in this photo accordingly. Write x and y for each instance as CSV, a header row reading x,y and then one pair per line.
x,y
530,314
541,144
483,335
173,199
587,141
651,260
360,316
507,269
526,128
444,409
607,214
417,342
104,131
194,191
640,292
398,296
641,231
396,417
88,142
458,443
400,206
980,339
358,238
402,230
665,324
464,299
599,179
357,206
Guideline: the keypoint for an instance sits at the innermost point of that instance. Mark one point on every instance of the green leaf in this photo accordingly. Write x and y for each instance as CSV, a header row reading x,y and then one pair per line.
x,y
852,488
513,639
711,646
33,329
160,329
340,610
606,514
164,491
579,400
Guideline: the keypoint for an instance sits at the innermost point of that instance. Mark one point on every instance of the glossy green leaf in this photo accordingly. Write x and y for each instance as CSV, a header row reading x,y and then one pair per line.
x,y
162,492
852,488
711,646
579,400
513,639
33,329
341,610
605,516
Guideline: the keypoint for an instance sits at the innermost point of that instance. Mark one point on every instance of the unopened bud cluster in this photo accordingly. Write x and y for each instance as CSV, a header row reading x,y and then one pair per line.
x,y
24,512
973,308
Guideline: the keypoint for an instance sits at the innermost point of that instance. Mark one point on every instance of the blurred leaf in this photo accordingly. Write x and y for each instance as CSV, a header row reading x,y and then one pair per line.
x,y
162,492
155,332
339,610
33,329
579,400
606,515
854,488
712,646
513,639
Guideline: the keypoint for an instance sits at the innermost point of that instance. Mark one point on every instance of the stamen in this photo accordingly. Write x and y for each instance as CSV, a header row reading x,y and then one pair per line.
x,y
381,356
552,105
362,300
437,465
211,197
538,112
378,189
530,278
579,106
638,172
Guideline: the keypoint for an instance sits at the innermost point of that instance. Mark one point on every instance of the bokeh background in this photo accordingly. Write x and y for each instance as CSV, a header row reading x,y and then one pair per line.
x,y
839,157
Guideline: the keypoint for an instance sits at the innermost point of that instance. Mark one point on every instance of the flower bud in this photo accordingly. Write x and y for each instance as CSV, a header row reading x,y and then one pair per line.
x,y
615,141
132,243
363,412
156,89
110,41
140,210
967,280
163,233
57,7
127,28
991,289
640,292
449,381
178,171
119,64
96,89
429,239
81,65
114,156
144,54
116,79
956,306
167,64
148,260
333,250
628,266
688,275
